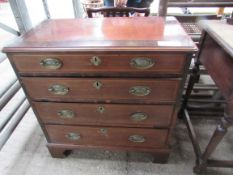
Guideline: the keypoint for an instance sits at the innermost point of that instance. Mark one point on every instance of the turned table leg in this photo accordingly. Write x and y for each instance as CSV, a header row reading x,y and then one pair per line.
x,y
194,78
216,138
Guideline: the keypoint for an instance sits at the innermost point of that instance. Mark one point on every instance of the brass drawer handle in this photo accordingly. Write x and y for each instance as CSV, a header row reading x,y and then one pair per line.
x,y
142,63
73,136
51,63
66,114
95,61
140,90
139,116
58,89
97,85
137,138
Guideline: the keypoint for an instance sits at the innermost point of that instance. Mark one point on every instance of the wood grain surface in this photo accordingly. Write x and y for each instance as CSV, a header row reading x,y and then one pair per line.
x,y
158,116
154,138
111,90
105,34
113,64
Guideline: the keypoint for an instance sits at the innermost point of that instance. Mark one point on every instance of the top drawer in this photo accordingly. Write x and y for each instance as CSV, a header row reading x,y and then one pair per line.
x,y
93,65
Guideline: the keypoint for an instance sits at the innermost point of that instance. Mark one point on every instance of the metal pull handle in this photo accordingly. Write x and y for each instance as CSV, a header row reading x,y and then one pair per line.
x,y
66,114
142,63
140,90
98,85
51,63
137,138
73,136
58,89
139,116
95,61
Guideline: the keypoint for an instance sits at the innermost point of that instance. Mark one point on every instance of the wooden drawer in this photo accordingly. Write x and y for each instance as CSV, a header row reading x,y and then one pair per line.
x,y
107,136
105,114
107,65
102,89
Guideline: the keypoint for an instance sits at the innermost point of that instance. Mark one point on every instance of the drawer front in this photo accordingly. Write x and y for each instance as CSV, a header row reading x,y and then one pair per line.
x,y
99,64
105,114
106,136
102,90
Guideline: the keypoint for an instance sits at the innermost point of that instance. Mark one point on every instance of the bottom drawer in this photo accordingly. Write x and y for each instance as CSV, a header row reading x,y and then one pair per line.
x,y
96,136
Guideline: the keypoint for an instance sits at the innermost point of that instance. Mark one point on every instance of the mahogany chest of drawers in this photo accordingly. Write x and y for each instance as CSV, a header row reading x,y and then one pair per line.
x,y
111,83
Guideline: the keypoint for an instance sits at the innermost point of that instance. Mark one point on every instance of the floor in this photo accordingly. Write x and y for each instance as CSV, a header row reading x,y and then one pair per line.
x,y
25,153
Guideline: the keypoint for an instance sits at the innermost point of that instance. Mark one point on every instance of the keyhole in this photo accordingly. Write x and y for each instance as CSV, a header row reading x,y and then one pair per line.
x,y
104,131
101,109
97,85
95,60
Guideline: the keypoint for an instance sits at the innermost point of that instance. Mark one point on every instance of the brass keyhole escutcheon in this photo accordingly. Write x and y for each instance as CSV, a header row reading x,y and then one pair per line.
x,y
101,109
95,61
104,131
98,85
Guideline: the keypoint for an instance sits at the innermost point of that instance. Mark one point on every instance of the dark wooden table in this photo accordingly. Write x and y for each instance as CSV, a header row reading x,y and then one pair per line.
x,y
216,55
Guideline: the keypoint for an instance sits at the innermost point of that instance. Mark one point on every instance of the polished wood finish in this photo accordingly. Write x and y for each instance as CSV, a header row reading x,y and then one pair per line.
x,y
216,55
94,136
105,34
117,11
220,32
111,90
111,64
110,83
220,68
158,116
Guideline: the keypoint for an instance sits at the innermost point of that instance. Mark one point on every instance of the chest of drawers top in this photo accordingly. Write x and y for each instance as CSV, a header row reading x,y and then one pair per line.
x,y
105,34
